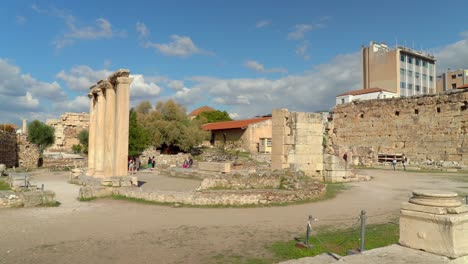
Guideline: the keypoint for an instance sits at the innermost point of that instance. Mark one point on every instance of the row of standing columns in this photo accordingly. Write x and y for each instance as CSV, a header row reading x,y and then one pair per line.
x,y
108,126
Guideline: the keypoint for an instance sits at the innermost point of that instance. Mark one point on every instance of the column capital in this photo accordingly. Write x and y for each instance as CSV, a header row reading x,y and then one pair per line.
x,y
104,85
123,80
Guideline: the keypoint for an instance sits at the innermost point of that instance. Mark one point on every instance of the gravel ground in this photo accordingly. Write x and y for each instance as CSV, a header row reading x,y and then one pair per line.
x,y
111,231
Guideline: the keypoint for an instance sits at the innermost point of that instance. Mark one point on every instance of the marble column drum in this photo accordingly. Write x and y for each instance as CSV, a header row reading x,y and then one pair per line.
x,y
100,135
109,144
122,87
91,133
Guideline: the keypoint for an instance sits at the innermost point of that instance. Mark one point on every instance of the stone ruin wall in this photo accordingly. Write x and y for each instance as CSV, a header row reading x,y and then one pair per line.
x,y
297,141
8,149
67,129
430,127
28,154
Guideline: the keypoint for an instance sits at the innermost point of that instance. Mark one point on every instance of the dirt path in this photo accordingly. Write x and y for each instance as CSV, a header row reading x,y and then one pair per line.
x,y
110,231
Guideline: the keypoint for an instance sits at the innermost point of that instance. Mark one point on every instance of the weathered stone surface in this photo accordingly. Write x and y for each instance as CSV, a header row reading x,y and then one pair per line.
x,y
2,169
431,230
26,199
67,129
8,149
28,154
435,198
431,127
88,192
223,167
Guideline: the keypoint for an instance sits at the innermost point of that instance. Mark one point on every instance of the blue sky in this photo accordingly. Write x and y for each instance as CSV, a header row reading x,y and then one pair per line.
x,y
245,57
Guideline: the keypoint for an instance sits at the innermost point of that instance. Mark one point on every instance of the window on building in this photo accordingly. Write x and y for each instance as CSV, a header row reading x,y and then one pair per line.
x,y
410,73
425,90
402,58
454,76
431,78
418,62
269,142
424,77
342,101
418,88
410,60
460,75
402,72
425,63
454,85
402,85
384,96
410,86
417,74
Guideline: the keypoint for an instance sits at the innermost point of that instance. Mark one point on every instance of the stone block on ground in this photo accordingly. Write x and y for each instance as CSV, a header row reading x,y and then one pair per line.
x,y
223,167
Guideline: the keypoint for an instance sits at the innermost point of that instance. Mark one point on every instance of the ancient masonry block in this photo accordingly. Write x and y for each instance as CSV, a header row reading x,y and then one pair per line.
x,y
435,221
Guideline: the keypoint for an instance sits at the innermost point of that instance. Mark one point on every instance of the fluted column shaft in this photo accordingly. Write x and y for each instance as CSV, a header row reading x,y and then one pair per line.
x,y
91,134
100,135
122,87
109,145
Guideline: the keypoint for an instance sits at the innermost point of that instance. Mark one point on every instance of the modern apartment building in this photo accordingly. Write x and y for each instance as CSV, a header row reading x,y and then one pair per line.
x,y
452,79
401,70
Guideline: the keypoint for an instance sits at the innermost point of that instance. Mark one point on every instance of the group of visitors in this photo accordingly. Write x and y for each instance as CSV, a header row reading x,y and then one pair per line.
x,y
151,163
188,163
133,165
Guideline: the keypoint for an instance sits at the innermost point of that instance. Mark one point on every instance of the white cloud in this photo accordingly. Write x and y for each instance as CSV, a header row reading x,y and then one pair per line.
x,y
454,56
258,67
181,46
14,83
139,89
233,115
82,77
300,30
101,30
311,91
77,105
142,30
263,23
301,50
176,85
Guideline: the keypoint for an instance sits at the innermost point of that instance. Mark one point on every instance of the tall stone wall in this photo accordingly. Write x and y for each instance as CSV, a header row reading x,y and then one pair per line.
x,y
8,149
297,141
67,129
430,127
28,154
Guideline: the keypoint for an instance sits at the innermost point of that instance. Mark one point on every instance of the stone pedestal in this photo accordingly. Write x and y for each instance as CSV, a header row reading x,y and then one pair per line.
x,y
435,221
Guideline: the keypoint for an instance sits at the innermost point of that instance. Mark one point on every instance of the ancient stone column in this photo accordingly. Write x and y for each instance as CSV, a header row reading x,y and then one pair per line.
x,y
109,144
91,134
100,134
25,127
122,87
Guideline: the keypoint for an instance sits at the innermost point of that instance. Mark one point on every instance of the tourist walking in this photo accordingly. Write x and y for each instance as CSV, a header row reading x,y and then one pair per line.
x,y
150,163
394,162
153,162
131,166
404,161
190,162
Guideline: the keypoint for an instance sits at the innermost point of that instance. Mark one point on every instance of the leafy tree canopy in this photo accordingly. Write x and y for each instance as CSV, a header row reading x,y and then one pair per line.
x,y
214,116
41,135
170,128
144,107
8,128
139,137
83,137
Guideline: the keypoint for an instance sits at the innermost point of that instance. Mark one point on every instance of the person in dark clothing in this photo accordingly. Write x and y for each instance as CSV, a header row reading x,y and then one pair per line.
x,y
153,162
190,162
150,162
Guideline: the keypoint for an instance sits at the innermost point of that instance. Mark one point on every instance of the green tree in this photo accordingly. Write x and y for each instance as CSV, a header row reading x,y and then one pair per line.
x,y
144,107
139,138
83,137
170,128
214,116
41,135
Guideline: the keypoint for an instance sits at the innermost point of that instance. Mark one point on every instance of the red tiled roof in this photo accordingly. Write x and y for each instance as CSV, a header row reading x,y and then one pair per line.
x,y
365,91
200,110
233,124
463,86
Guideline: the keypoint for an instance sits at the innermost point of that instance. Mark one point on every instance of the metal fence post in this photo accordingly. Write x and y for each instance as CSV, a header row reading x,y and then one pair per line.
x,y
308,230
363,229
